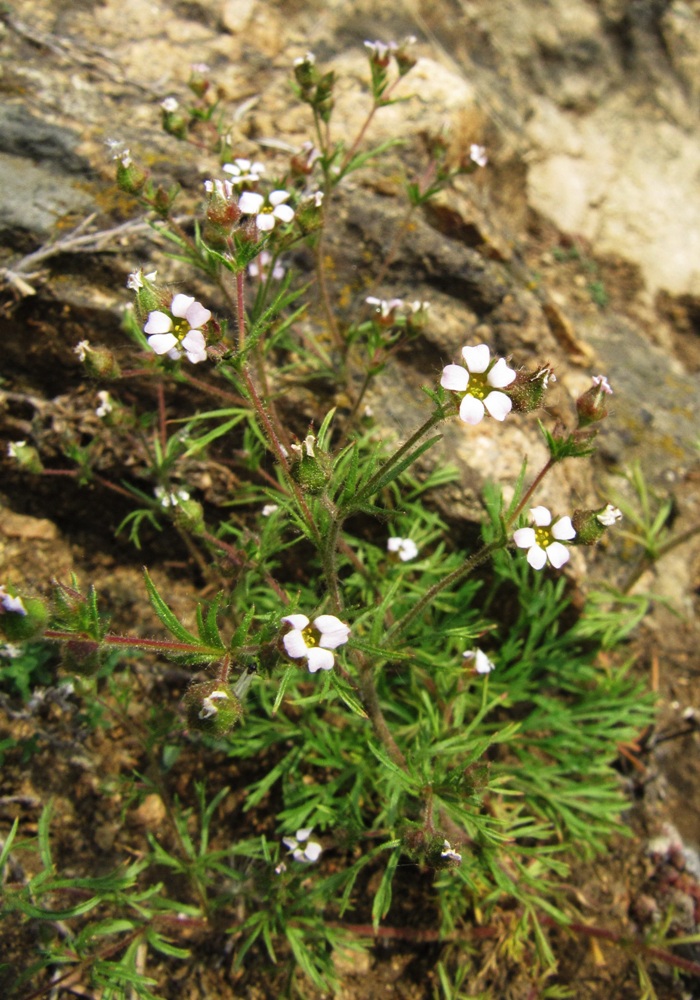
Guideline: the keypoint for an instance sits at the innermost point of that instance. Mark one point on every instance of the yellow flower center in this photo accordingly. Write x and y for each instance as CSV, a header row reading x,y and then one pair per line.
x,y
180,328
543,537
478,386
310,636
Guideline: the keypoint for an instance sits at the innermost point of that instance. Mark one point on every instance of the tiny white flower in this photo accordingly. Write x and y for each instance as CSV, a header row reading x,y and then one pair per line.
x,y
482,664
544,541
417,306
447,852
81,349
609,516
384,307
200,67
301,848
223,188
13,447
252,203
243,170
105,405
269,509
479,382
602,381
170,498
316,641
169,105
307,445
10,651
477,154
309,59
135,279
209,708
259,268
380,51
10,603
169,333
405,548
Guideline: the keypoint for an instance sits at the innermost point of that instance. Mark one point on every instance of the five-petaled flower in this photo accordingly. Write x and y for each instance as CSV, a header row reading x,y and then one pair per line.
x,y
405,548
243,170
252,203
544,540
482,664
479,383
167,334
316,641
301,848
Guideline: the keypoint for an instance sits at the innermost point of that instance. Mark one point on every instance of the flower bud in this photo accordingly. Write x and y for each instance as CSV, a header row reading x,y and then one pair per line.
x,y
198,82
26,456
307,470
173,122
81,656
591,525
591,406
21,618
405,59
212,707
99,362
305,73
189,514
528,390
131,178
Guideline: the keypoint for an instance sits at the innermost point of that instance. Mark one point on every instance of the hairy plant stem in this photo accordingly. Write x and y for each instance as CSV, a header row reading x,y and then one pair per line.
x,y
433,420
525,499
370,702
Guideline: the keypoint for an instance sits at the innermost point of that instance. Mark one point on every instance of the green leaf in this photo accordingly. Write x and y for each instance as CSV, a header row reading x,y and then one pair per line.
x,y
176,629
382,900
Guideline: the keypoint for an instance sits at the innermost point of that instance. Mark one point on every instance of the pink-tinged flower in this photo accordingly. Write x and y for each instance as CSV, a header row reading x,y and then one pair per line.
x,y
384,309
602,381
544,541
316,641
11,604
167,334
252,203
479,382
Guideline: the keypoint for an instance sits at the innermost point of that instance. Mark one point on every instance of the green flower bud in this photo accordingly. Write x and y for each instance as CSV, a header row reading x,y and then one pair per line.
x,y
189,514
591,525
99,362
308,470
212,707
26,456
591,406
528,390
21,618
131,178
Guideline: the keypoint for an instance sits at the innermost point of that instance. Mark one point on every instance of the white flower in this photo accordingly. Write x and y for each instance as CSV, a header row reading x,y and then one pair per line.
x,y
602,381
135,281
482,664
380,51
301,848
243,170
479,381
447,852
269,509
170,498
258,268
224,189
418,306
169,105
208,708
10,651
385,308
316,641
308,59
406,548
307,445
252,203
167,335
609,516
81,349
477,154
10,603
544,541
105,406
13,447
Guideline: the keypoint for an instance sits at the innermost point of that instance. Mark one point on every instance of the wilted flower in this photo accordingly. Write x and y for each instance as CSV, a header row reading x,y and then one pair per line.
x,y
609,516
405,548
482,664
168,333
301,848
134,282
479,382
252,203
544,541
316,641
447,852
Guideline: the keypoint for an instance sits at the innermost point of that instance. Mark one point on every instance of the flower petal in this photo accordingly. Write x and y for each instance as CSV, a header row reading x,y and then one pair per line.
x,y
197,315
297,621
304,833
312,851
498,404
537,556
295,644
194,341
158,322
524,538
477,358
454,377
563,529
500,375
180,304
471,410
276,198
250,202
319,659
333,632
161,343
285,213
265,222
541,516
557,554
